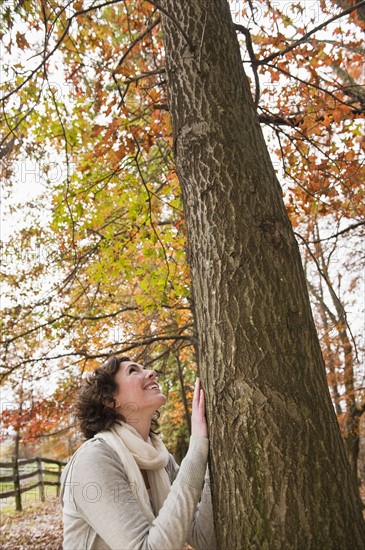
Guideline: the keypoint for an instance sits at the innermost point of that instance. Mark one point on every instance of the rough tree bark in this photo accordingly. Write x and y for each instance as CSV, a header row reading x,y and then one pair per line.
x,y
280,474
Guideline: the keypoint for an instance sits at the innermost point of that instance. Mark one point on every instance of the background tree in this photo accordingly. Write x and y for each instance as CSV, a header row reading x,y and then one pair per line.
x,y
339,347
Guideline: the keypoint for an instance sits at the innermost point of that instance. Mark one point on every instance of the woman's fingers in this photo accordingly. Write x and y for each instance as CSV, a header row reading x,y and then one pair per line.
x,y
198,420
196,392
202,402
197,389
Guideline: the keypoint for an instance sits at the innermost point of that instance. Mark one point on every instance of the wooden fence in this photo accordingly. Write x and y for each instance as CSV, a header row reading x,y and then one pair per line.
x,y
17,475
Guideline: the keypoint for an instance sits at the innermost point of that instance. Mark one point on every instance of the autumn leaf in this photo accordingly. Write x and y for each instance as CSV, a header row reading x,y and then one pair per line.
x,y
22,41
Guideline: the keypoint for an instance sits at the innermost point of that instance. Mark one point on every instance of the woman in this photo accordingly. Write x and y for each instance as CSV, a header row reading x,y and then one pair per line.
x,y
122,490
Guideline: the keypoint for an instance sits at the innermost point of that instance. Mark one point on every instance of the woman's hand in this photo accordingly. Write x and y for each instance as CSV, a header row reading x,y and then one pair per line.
x,y
198,419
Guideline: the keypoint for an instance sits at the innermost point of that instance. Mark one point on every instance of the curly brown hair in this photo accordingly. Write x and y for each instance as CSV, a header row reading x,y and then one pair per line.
x,y
96,406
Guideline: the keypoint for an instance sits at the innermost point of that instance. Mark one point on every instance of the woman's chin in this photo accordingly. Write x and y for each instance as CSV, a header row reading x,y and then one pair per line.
x,y
162,399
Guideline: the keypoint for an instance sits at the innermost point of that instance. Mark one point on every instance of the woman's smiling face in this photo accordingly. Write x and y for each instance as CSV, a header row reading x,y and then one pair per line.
x,y
138,392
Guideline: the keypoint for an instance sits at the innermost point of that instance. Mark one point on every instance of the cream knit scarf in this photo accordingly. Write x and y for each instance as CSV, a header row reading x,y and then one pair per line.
x,y
136,455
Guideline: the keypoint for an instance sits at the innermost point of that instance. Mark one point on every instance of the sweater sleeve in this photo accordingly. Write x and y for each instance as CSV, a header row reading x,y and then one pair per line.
x,y
102,495
201,534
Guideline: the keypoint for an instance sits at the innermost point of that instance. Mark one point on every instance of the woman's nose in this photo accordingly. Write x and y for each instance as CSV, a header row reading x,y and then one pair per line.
x,y
151,374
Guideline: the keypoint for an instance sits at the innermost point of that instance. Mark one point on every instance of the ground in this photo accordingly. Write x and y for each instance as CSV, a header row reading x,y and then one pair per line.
x,y
37,527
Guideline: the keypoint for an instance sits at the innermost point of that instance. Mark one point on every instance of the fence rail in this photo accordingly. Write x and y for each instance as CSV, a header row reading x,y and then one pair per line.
x,y
40,471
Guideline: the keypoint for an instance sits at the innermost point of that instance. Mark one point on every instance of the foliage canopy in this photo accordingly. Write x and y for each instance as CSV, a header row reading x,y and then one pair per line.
x,y
100,264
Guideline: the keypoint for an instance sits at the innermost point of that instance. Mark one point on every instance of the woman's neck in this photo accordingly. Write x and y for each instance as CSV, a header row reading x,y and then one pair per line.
x,y
142,426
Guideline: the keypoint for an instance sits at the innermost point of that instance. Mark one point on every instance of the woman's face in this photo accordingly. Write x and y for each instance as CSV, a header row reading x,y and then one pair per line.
x,y
138,392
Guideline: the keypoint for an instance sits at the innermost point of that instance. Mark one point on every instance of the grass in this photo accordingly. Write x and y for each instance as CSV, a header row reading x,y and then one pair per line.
x,y
7,505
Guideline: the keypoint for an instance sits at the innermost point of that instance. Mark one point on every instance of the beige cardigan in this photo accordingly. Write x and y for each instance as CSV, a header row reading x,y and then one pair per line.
x,y
101,512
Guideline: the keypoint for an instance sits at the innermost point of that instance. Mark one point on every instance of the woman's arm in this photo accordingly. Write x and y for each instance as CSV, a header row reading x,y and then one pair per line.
x,y
98,491
202,534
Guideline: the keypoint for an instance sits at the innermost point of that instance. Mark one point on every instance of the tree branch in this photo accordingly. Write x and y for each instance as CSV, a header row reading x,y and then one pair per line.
x,y
308,34
136,78
83,354
159,70
269,118
73,318
336,300
135,41
174,20
58,43
150,211
307,83
350,88
253,58
349,228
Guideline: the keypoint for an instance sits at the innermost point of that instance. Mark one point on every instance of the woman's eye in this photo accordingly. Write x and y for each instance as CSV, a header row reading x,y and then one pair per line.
x,y
134,369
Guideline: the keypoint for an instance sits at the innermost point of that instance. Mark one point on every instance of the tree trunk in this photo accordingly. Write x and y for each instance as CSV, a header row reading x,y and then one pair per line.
x,y
280,476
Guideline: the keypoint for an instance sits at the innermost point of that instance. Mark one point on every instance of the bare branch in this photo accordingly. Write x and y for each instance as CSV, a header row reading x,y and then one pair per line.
x,y
253,58
345,3
135,41
73,318
136,78
57,45
159,70
51,434
308,34
307,83
161,107
83,354
336,300
273,119
174,20
349,228
150,211
351,88
350,48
